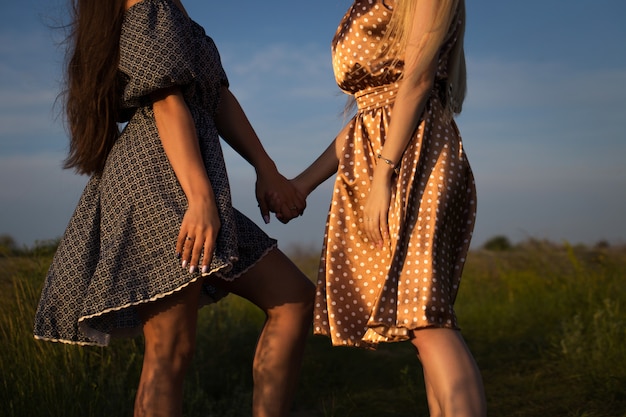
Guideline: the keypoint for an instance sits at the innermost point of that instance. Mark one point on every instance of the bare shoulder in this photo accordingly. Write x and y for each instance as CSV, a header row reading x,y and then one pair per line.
x,y
131,3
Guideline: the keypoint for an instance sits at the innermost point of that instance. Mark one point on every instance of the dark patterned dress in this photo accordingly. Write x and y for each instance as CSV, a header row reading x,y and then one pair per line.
x,y
367,295
119,248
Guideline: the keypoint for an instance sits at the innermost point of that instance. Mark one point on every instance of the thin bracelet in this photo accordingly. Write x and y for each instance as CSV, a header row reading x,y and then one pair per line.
x,y
389,162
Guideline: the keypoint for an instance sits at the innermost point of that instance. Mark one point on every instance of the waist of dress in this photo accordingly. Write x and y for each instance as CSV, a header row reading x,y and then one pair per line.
x,y
375,97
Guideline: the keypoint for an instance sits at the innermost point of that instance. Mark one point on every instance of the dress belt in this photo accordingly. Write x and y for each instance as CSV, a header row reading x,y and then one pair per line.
x,y
375,97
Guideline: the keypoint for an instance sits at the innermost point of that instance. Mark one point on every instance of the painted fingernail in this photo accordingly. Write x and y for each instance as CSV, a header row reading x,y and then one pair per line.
x,y
266,219
192,269
205,269
184,264
178,254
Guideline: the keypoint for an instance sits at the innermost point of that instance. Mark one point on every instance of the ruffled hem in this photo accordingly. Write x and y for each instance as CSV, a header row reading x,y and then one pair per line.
x,y
100,338
243,271
382,334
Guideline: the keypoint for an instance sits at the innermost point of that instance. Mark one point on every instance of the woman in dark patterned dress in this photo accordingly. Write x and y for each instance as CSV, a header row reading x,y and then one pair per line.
x,y
403,205
158,199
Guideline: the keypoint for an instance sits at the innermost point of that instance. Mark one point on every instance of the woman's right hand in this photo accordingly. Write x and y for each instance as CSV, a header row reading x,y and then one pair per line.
x,y
275,203
197,235
277,194
201,222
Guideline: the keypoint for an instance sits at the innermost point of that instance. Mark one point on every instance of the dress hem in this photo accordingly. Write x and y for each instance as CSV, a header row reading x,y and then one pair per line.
x,y
372,344
234,277
99,338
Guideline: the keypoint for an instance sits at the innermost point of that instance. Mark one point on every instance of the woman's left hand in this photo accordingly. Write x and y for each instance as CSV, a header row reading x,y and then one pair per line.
x,y
276,193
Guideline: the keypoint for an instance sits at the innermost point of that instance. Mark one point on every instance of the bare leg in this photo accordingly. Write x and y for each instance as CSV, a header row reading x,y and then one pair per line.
x,y
278,287
170,336
453,382
433,405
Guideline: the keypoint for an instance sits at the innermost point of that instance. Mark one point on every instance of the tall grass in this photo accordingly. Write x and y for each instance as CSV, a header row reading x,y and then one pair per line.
x,y
545,322
546,326
48,379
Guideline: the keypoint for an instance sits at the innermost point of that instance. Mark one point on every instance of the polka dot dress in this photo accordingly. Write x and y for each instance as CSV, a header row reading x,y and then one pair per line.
x,y
366,295
118,250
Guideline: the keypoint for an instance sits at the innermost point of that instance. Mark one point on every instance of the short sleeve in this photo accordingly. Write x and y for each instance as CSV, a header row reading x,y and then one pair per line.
x,y
157,50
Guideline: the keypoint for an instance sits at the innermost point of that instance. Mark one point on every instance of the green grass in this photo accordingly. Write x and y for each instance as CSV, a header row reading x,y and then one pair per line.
x,y
545,322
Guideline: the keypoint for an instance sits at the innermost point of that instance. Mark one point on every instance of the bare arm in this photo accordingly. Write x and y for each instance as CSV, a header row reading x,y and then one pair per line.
x,y
319,171
201,222
324,166
236,130
430,25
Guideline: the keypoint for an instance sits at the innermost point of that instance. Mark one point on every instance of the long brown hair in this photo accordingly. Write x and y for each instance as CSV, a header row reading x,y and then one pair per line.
x,y
92,84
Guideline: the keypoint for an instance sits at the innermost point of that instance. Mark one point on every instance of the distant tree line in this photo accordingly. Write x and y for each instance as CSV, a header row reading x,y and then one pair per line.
x,y
10,247
502,243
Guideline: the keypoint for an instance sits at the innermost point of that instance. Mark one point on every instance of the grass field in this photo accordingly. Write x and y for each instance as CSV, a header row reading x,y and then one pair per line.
x,y
545,322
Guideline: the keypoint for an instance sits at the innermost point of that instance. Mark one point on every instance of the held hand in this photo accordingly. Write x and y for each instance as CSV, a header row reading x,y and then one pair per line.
x,y
275,204
277,194
198,232
376,211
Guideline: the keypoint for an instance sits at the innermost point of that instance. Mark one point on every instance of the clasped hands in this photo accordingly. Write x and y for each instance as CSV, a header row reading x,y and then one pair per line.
x,y
276,194
283,199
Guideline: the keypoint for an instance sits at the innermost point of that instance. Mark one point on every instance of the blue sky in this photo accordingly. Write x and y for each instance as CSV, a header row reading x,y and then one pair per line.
x,y
544,122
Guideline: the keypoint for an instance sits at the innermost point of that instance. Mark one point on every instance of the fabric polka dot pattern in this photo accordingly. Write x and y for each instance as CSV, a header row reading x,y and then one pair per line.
x,y
367,295
118,250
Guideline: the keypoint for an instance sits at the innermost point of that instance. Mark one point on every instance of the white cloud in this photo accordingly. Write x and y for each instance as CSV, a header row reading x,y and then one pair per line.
x,y
283,59
281,71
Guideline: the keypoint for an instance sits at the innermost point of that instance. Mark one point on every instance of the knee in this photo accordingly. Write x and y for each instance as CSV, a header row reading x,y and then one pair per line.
x,y
305,306
298,312
301,303
171,356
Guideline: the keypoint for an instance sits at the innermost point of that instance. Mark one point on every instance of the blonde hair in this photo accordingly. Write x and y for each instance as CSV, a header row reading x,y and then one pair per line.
x,y
396,37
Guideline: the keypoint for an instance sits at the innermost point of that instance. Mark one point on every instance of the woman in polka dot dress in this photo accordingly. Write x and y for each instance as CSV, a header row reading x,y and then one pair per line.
x,y
404,200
